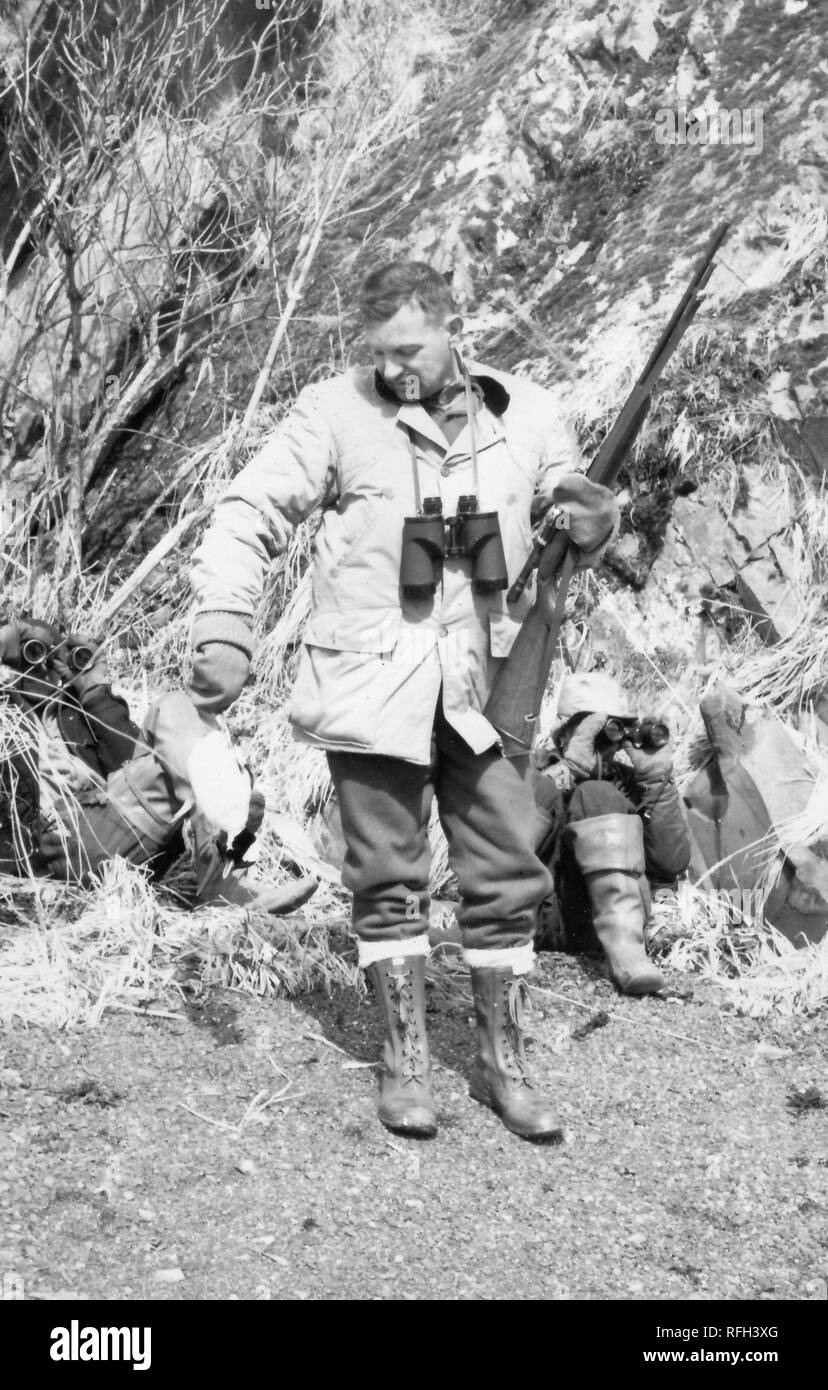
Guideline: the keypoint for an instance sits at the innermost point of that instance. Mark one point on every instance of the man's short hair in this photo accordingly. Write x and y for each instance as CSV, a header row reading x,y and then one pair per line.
x,y
390,286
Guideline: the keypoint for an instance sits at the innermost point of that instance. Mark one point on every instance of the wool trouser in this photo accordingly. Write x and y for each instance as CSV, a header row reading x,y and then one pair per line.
x,y
486,809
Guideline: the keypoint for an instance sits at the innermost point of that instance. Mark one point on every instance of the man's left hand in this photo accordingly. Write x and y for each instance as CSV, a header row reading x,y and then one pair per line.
x,y
650,765
580,753
591,514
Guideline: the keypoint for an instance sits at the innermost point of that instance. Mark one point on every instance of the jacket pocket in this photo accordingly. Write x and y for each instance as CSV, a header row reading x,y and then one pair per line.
x,y
348,692
355,630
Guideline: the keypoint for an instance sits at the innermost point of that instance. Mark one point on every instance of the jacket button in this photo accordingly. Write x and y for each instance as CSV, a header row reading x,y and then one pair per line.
x,y
446,469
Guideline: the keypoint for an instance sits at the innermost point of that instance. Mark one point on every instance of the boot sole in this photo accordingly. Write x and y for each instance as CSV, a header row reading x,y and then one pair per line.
x,y
553,1135
293,896
640,985
417,1129
276,903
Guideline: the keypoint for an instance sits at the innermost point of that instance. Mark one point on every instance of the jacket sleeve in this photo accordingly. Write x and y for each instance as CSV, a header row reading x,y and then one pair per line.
x,y
666,837
109,719
292,474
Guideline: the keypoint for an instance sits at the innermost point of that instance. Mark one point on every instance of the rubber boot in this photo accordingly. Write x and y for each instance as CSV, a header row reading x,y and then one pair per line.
x,y
500,1078
406,1101
609,851
221,882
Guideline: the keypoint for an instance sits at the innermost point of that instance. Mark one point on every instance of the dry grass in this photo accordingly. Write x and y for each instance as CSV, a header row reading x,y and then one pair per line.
x,y
759,969
67,955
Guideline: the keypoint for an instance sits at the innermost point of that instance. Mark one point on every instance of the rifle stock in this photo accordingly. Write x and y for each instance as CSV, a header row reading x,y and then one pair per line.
x,y
518,688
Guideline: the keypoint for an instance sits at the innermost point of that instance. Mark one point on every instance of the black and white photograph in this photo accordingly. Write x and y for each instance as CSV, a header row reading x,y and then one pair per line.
x,y
414,668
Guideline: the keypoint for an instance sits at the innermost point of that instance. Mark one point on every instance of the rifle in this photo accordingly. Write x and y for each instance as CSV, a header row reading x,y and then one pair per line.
x,y
518,689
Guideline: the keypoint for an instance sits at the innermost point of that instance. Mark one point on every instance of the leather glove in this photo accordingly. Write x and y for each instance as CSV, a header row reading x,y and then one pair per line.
x,y
591,514
220,674
222,647
650,765
580,754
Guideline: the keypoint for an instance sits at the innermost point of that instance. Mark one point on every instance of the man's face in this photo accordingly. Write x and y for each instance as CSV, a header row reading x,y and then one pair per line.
x,y
412,351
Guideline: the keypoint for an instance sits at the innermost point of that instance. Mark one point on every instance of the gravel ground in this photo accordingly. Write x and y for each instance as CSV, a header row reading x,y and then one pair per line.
x,y
140,1160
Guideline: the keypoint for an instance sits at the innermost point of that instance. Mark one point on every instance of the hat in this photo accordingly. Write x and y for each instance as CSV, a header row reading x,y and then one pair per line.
x,y
587,692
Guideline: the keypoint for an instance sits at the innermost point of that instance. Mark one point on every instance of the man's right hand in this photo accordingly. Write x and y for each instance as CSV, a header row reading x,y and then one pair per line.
x,y
222,649
220,672
580,753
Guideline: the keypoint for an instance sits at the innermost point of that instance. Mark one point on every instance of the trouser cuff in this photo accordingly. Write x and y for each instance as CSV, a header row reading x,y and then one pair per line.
x,y
518,959
372,951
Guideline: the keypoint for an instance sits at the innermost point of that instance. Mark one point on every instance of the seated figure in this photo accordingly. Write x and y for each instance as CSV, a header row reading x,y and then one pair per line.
x,y
608,827
83,785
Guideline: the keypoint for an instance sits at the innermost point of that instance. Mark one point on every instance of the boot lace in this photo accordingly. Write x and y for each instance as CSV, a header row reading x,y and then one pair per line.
x,y
517,1004
411,1042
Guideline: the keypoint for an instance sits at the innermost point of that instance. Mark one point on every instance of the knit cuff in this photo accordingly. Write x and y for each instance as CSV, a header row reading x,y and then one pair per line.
x,y
372,951
232,628
519,959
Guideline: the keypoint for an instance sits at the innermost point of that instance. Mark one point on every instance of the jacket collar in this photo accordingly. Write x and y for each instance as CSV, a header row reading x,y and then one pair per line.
x,y
495,395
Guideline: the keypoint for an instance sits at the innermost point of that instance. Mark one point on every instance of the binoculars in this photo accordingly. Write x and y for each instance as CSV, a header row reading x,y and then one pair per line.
x,y
35,652
430,538
642,733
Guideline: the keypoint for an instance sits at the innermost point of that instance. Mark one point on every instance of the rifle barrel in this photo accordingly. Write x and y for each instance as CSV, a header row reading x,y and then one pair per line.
x,y
699,278
515,698
607,462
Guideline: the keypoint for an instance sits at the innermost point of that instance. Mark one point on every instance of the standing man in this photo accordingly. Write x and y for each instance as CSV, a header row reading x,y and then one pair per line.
x,y
429,470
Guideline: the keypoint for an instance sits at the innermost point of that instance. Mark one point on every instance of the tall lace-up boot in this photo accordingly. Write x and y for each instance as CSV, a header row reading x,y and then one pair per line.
x,y
500,1078
406,1101
609,851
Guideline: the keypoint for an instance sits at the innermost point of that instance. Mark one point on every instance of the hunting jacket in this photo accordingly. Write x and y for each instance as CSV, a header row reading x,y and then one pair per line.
x,y
374,662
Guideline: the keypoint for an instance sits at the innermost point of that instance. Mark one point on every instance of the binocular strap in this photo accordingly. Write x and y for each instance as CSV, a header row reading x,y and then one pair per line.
x,y
412,448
